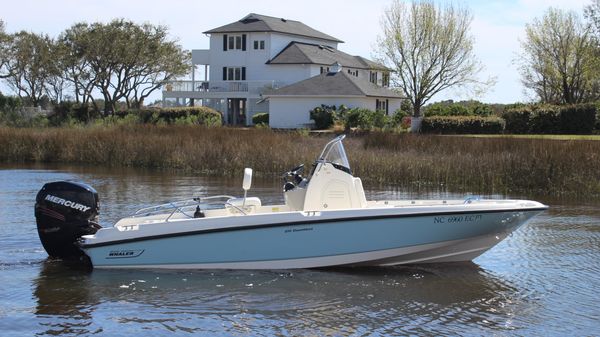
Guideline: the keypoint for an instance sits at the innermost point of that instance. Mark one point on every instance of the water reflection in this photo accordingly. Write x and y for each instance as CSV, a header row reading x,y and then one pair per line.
x,y
63,297
299,302
540,281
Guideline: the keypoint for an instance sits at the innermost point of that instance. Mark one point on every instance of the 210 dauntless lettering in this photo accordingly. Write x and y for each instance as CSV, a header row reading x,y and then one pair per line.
x,y
67,203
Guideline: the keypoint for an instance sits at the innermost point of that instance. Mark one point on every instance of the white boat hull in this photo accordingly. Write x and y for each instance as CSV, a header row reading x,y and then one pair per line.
x,y
395,236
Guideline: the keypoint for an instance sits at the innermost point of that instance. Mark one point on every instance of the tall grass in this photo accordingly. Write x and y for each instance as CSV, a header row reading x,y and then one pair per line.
x,y
482,165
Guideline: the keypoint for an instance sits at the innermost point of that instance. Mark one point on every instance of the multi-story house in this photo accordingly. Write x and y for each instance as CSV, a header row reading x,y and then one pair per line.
x,y
283,67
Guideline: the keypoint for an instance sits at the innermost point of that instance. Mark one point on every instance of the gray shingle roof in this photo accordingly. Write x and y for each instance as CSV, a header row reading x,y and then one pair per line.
x,y
307,53
334,84
262,23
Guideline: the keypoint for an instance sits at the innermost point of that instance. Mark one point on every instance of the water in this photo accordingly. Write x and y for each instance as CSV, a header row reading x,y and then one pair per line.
x,y
543,280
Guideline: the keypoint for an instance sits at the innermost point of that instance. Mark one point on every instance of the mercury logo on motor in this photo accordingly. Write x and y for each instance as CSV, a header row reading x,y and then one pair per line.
x,y
67,203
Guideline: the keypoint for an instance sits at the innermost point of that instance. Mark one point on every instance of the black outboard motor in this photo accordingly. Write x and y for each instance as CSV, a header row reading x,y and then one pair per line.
x,y
65,211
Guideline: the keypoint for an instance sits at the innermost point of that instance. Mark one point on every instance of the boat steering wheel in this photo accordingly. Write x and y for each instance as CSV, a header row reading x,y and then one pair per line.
x,y
295,173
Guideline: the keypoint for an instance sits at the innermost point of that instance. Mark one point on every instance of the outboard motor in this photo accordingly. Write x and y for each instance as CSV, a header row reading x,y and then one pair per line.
x,y
64,212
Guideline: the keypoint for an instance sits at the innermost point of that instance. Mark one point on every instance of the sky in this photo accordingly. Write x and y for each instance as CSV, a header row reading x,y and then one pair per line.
x,y
498,26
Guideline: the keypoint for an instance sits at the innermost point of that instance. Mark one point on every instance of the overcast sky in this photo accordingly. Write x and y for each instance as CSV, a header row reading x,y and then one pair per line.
x,y
497,26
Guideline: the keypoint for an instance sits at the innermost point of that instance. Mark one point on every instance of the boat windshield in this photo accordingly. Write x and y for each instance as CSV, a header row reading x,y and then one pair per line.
x,y
334,152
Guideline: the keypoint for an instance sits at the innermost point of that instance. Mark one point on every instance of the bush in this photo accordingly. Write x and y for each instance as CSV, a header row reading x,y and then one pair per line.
x,y
398,119
260,118
323,116
517,120
551,119
69,112
545,120
465,108
462,125
578,119
180,116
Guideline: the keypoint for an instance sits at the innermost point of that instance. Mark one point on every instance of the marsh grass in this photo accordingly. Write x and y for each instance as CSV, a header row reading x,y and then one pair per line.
x,y
477,165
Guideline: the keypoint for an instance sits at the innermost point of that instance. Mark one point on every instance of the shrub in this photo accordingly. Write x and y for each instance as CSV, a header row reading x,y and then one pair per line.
x,y
578,119
176,115
462,125
65,111
465,108
9,103
364,119
323,116
260,118
517,120
550,119
545,119
398,118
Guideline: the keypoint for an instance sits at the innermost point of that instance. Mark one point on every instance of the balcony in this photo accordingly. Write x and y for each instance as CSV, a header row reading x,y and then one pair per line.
x,y
213,89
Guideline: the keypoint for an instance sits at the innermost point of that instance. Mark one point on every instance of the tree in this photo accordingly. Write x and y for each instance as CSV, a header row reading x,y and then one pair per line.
x,y
154,60
122,60
74,46
592,14
4,45
30,65
558,62
430,49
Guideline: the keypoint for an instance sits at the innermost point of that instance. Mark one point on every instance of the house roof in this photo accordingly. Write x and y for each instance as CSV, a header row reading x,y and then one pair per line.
x,y
333,84
308,53
262,23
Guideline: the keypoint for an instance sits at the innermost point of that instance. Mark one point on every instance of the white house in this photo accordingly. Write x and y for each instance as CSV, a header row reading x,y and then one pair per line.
x,y
283,67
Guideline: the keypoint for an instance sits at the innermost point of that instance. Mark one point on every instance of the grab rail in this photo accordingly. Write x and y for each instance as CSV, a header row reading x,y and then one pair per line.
x,y
180,206
470,199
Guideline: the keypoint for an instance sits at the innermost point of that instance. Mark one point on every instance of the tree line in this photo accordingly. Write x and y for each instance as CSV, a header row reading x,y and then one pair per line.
x,y
428,46
91,63
430,49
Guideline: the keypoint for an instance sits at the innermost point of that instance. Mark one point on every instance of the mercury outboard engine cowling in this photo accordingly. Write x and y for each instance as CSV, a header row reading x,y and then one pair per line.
x,y
64,212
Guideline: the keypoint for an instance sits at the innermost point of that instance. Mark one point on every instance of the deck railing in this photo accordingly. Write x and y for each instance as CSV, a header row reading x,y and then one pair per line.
x,y
253,87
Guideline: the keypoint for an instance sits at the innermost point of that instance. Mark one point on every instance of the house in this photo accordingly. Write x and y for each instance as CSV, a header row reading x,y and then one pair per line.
x,y
283,67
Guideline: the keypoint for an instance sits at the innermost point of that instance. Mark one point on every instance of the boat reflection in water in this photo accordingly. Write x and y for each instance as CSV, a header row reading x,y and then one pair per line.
x,y
300,302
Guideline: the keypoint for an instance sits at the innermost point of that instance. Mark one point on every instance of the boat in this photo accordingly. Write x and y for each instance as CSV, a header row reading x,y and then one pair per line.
x,y
325,221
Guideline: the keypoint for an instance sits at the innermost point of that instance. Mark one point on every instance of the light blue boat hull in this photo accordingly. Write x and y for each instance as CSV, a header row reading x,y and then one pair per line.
x,y
369,241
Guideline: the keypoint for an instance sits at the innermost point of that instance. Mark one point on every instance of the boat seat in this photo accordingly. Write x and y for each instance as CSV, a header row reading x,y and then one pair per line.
x,y
252,204
360,193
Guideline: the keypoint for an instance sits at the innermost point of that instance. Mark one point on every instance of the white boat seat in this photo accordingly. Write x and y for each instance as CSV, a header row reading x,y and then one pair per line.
x,y
360,193
251,205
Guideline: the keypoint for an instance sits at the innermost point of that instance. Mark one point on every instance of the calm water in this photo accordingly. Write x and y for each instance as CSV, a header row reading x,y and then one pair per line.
x,y
543,280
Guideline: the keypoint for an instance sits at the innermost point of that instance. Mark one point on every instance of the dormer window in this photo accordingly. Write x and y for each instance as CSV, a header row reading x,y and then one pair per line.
x,y
373,77
386,79
234,42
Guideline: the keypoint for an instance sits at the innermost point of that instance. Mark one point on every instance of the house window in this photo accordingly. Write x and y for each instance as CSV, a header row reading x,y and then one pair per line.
x,y
353,72
373,77
259,45
234,73
324,70
234,42
382,105
386,79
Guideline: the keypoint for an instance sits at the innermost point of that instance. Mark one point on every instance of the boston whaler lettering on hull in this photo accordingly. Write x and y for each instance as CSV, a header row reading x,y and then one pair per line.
x,y
325,221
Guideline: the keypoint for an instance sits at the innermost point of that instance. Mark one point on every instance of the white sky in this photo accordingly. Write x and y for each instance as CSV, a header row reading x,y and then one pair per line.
x,y
497,26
